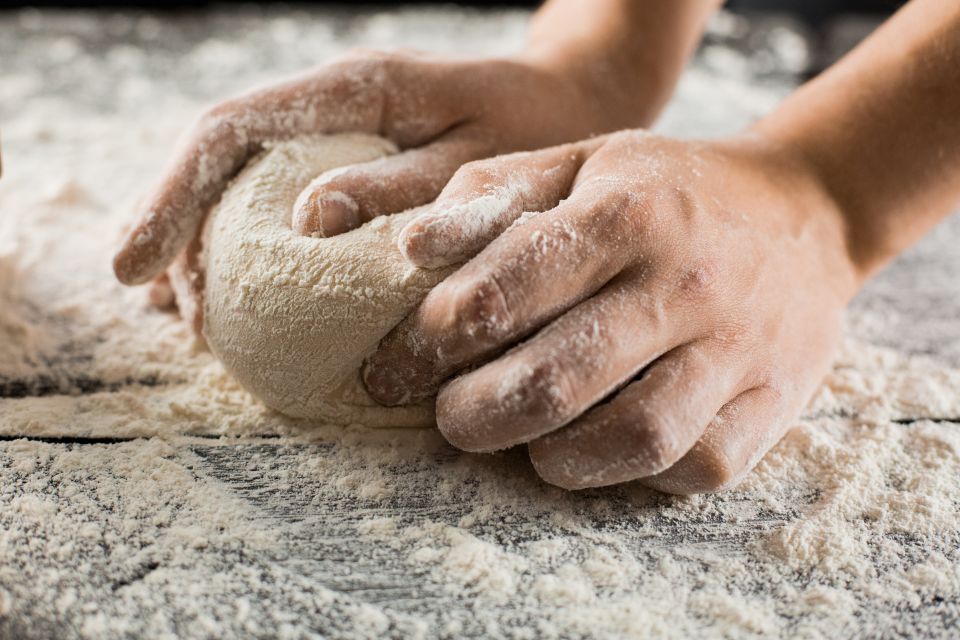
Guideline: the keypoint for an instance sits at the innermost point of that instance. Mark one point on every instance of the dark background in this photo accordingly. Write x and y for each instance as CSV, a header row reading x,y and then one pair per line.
x,y
814,12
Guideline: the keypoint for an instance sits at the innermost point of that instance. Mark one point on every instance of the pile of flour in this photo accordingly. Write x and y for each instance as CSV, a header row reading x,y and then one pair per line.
x,y
201,529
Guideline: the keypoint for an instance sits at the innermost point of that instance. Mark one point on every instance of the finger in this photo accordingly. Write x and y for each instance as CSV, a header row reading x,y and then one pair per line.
x,y
347,97
560,373
161,293
734,442
486,197
524,279
187,279
647,426
341,200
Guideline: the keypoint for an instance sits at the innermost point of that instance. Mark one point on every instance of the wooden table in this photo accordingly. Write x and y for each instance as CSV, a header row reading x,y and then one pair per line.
x,y
288,560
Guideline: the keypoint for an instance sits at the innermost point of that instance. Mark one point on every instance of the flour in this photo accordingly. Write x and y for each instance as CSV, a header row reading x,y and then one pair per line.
x,y
459,228
848,528
877,527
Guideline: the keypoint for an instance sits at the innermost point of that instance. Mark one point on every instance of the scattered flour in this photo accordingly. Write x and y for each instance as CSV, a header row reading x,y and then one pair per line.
x,y
842,529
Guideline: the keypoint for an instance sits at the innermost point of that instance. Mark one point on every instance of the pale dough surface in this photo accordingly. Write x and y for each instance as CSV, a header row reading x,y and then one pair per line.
x,y
293,317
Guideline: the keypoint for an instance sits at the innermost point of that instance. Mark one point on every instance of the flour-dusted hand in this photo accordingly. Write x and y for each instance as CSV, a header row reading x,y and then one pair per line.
x,y
589,67
443,112
485,198
683,299
668,307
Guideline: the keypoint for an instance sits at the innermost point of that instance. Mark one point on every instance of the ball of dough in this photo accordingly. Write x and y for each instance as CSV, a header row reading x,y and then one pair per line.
x,y
292,317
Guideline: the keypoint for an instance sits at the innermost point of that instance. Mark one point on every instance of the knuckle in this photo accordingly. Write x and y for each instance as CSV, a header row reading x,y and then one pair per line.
x,y
220,129
613,218
545,388
698,282
359,70
628,138
707,468
483,307
618,138
653,439
216,119
554,467
377,62
484,172
715,469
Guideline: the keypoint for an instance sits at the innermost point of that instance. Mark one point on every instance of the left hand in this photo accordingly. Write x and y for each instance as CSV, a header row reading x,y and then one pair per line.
x,y
665,317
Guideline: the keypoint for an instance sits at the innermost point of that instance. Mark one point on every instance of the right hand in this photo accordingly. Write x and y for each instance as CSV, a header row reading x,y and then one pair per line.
x,y
662,314
441,112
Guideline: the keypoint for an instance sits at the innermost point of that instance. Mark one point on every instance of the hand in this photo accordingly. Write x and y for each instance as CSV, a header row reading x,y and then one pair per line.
x,y
441,112
664,318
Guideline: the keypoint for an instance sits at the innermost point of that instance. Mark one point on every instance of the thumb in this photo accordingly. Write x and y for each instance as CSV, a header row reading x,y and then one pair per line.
x,y
343,199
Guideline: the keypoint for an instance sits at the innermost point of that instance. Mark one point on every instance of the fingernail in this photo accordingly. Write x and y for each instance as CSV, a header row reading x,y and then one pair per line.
x,y
339,213
141,257
326,214
410,241
384,385
418,243
128,268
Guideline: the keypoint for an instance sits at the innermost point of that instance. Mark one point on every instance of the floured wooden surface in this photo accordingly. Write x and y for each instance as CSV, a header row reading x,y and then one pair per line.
x,y
396,535
224,519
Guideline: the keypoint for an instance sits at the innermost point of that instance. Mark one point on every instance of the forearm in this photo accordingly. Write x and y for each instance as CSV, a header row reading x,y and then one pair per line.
x,y
628,53
882,130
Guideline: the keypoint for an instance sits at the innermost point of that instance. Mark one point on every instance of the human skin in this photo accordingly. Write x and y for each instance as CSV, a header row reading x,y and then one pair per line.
x,y
590,67
675,304
668,313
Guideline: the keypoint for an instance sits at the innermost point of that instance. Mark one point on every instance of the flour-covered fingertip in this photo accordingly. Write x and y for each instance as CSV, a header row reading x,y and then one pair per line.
x,y
324,214
418,243
130,267
384,385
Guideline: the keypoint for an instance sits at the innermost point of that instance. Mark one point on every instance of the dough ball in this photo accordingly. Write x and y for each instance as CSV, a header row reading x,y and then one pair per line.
x,y
291,317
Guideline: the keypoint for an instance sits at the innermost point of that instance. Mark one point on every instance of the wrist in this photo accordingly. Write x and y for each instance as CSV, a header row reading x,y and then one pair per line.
x,y
801,205
625,54
868,244
618,97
